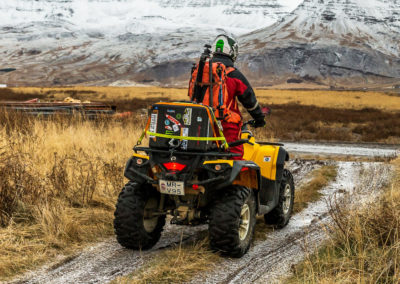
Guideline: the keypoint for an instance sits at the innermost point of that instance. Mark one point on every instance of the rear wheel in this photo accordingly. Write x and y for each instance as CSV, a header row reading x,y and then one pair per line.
x,y
280,215
232,222
133,229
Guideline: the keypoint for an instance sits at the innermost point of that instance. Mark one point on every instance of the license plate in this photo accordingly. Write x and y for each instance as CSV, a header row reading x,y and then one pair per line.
x,y
172,187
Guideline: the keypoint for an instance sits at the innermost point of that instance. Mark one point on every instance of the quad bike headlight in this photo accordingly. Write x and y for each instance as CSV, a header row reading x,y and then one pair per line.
x,y
218,167
139,161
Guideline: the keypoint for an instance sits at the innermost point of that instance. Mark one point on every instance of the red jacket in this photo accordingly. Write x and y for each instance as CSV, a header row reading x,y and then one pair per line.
x,y
240,88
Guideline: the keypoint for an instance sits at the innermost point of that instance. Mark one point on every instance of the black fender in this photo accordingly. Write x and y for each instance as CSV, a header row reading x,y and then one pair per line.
x,y
138,173
283,156
236,169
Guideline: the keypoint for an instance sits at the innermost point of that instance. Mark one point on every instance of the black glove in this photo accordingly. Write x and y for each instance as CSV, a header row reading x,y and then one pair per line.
x,y
259,122
258,116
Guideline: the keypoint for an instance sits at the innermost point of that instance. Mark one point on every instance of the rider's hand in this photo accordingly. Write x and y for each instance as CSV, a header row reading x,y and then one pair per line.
x,y
258,116
260,122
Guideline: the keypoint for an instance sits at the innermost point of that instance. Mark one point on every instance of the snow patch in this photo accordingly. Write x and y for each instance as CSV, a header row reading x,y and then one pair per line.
x,y
153,16
343,149
270,260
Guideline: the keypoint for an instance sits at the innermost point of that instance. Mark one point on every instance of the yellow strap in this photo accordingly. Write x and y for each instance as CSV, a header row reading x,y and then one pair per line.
x,y
221,133
186,138
139,142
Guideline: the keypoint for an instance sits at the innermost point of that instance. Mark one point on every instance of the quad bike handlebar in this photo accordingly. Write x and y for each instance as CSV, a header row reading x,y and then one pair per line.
x,y
239,142
251,123
266,111
246,130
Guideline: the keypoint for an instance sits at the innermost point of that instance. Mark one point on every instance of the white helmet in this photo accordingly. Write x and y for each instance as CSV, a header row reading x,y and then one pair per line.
x,y
226,45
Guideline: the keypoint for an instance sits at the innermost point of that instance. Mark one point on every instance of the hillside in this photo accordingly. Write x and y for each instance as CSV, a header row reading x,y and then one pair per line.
x,y
324,42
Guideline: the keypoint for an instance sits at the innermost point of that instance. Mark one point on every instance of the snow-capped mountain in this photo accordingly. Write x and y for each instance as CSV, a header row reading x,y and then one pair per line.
x,y
330,38
55,42
363,23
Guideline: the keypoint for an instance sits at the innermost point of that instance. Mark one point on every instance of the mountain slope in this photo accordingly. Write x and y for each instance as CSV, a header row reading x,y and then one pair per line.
x,y
341,40
56,42
60,42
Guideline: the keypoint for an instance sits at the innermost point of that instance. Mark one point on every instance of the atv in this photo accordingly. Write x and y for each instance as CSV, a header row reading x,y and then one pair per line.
x,y
188,172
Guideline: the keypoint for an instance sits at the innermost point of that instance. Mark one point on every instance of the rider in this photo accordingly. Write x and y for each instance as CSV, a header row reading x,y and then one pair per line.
x,y
225,50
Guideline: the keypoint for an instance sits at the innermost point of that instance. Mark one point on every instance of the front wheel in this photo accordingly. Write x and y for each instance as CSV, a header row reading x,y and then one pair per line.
x,y
133,229
232,222
280,215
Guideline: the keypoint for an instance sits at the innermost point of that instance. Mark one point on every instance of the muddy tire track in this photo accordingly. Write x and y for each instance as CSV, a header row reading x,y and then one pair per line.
x,y
107,260
267,261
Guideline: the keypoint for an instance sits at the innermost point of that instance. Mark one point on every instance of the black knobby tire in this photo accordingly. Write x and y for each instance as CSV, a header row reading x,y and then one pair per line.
x,y
131,229
279,217
225,221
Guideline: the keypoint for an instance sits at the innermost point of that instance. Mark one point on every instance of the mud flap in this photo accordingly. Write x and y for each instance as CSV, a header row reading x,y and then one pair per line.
x,y
269,195
280,163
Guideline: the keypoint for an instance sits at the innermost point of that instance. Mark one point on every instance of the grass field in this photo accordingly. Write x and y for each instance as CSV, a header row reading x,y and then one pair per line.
x,y
59,178
327,99
296,115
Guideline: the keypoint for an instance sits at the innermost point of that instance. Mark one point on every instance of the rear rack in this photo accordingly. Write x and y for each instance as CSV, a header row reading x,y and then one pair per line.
x,y
172,151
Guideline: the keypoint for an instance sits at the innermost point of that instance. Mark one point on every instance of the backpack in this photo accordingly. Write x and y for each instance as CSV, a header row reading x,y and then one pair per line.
x,y
200,86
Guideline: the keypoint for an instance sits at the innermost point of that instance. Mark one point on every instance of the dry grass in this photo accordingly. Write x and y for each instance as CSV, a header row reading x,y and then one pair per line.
x,y
364,244
296,115
329,99
261,230
59,179
332,99
175,265
298,122
93,93
310,192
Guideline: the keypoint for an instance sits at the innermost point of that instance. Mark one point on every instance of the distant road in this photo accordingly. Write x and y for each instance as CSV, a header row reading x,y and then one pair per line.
x,y
347,149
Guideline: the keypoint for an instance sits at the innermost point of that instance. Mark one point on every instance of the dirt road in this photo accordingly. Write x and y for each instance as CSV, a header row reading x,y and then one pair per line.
x,y
105,261
344,149
270,259
108,260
